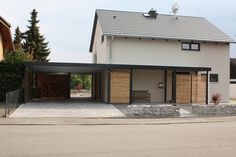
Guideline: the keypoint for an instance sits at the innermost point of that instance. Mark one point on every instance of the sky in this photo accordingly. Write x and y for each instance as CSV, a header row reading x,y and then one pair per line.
x,y
67,24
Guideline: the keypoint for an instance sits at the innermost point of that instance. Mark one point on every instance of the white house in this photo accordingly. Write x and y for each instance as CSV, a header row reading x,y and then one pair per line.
x,y
182,59
145,57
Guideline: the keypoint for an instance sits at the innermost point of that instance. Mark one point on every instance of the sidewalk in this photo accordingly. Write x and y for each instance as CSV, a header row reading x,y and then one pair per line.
x,y
114,121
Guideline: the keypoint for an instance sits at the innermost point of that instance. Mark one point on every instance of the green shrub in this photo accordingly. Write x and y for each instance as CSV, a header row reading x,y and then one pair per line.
x,y
11,77
16,57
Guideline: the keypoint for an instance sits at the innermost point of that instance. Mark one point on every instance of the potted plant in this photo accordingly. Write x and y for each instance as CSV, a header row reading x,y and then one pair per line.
x,y
216,98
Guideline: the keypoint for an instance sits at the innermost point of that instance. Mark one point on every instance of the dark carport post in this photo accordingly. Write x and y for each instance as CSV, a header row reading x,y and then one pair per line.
x,y
207,86
174,86
28,84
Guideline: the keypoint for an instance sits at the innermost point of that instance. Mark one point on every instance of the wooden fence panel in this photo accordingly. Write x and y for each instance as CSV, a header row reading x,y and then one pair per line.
x,y
120,87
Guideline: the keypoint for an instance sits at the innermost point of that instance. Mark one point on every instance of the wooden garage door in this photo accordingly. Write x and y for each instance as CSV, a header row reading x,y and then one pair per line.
x,y
198,88
183,88
120,87
190,88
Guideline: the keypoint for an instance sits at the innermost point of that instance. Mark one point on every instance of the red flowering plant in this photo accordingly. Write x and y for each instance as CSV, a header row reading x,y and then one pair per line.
x,y
216,98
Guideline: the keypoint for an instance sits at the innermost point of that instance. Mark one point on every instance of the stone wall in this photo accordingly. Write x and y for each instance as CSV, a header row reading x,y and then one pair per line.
x,y
160,111
224,109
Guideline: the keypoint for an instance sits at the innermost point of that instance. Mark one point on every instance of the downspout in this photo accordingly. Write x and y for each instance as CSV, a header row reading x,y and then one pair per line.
x,y
110,46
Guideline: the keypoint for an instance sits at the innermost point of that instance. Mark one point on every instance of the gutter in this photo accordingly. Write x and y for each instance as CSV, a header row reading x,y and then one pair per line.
x,y
110,46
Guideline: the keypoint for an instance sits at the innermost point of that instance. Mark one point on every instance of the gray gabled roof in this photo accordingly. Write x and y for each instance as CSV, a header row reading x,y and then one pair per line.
x,y
134,24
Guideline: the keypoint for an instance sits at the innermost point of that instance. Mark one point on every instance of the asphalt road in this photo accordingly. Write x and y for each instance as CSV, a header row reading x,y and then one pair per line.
x,y
215,139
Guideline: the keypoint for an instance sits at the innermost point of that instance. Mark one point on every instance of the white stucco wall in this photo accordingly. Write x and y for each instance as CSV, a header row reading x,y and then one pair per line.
x,y
162,52
1,48
99,47
148,80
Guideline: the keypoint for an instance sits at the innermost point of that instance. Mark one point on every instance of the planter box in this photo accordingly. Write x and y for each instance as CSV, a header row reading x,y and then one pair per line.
x,y
160,111
222,109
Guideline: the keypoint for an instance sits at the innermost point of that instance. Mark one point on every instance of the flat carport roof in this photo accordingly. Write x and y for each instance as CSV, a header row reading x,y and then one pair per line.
x,y
59,67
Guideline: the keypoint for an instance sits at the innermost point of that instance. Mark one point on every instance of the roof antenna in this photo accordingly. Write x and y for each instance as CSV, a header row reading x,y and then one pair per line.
x,y
175,9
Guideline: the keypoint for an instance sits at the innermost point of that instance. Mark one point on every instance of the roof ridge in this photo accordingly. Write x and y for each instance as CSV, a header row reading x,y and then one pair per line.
x,y
146,12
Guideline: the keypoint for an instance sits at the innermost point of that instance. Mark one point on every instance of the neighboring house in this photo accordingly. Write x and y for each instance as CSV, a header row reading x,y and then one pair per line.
x,y
233,78
152,39
5,37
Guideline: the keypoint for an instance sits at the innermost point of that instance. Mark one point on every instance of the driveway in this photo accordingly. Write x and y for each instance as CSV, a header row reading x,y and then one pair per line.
x,y
67,109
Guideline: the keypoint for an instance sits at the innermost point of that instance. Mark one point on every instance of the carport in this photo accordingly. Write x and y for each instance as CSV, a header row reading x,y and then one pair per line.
x,y
117,83
57,78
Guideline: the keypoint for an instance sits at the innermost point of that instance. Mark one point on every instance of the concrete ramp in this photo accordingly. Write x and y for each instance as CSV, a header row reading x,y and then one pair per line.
x,y
67,109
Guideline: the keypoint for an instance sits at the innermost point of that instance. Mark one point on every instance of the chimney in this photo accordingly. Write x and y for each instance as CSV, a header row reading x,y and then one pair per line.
x,y
152,13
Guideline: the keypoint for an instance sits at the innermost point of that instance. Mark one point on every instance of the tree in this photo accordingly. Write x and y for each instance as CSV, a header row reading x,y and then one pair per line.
x,y
34,42
19,56
18,39
84,80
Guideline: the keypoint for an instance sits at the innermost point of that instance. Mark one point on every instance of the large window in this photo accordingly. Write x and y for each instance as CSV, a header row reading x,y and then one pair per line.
x,y
214,78
190,46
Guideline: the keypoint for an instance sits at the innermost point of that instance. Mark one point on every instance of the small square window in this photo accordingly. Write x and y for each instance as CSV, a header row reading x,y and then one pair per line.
x,y
191,46
186,46
195,47
214,78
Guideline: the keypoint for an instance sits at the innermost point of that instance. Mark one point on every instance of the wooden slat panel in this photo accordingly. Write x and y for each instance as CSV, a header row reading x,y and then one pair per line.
x,y
201,88
194,89
183,89
120,87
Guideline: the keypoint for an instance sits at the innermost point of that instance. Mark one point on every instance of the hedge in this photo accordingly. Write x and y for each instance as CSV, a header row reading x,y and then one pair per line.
x,y
11,77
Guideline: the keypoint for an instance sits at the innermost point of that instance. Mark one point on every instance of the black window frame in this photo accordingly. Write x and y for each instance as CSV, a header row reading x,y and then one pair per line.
x,y
190,46
214,78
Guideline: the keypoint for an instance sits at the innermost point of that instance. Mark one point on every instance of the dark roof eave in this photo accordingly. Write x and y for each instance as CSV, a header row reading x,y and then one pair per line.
x,y
93,31
113,66
167,38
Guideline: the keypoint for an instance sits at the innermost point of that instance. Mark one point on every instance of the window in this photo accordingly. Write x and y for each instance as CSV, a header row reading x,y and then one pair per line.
x,y
195,47
191,46
185,46
214,78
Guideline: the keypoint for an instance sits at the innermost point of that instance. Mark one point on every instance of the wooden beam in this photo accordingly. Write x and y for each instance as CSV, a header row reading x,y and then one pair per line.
x,y
165,94
174,86
131,87
207,86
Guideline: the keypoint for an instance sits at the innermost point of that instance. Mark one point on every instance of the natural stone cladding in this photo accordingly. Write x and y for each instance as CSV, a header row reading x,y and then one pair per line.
x,y
211,110
160,111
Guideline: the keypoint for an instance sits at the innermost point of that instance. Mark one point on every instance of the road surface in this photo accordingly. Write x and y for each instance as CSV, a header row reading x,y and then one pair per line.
x,y
214,139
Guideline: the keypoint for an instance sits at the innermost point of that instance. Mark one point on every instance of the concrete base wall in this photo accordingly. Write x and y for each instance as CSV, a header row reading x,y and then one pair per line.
x,y
214,109
160,111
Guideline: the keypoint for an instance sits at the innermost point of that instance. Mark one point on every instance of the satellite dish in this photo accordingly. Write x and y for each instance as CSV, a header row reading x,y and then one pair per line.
x,y
175,8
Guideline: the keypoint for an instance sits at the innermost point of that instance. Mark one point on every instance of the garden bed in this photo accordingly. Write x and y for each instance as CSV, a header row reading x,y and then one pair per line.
x,y
159,111
212,110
